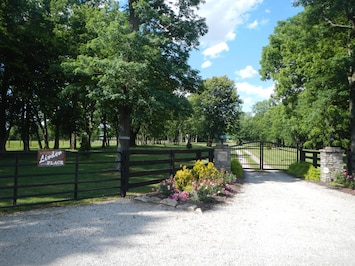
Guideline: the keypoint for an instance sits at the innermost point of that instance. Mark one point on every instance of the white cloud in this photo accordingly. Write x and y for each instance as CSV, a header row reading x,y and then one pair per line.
x,y
222,18
253,25
247,72
247,100
206,64
258,91
216,50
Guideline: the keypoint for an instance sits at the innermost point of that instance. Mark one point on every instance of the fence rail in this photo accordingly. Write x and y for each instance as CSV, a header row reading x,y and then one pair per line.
x,y
310,156
165,164
87,174
84,175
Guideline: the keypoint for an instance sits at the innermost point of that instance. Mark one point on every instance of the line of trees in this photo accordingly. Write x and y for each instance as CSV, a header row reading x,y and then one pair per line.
x,y
68,66
311,59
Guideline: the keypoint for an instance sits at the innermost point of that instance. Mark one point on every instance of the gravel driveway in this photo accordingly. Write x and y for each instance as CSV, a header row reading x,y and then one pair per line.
x,y
274,220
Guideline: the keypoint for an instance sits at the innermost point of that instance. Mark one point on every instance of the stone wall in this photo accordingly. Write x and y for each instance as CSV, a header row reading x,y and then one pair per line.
x,y
222,157
331,162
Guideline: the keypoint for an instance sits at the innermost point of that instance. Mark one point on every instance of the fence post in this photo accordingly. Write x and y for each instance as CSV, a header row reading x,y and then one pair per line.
x,y
124,172
315,160
198,155
302,155
210,155
172,162
76,176
14,200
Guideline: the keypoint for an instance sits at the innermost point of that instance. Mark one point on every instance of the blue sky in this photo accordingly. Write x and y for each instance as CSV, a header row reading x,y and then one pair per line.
x,y
238,30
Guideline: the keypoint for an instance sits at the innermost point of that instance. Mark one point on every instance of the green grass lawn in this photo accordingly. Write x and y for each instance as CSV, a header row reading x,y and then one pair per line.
x,y
96,178
41,184
275,157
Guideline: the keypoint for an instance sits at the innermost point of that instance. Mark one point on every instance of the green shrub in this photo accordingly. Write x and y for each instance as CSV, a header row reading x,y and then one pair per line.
x,y
183,178
313,174
343,178
202,171
236,168
299,169
228,178
340,178
206,189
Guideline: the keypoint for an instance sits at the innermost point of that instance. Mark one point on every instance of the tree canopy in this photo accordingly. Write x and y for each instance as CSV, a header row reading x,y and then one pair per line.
x,y
69,65
218,107
310,61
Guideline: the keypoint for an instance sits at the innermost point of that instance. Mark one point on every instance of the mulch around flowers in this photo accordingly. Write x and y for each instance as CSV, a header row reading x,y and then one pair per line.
x,y
340,189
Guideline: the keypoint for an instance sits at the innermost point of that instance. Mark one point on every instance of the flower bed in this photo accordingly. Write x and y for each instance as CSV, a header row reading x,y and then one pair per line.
x,y
203,183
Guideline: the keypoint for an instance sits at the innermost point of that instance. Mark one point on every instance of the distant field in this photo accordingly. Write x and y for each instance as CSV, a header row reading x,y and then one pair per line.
x,y
46,184
273,157
17,145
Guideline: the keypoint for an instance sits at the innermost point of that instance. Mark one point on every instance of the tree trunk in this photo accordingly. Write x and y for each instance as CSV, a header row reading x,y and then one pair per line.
x,y
3,108
133,137
73,141
123,134
39,140
56,137
25,127
45,133
104,137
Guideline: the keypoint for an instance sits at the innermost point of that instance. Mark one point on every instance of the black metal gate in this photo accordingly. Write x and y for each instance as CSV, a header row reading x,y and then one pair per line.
x,y
265,155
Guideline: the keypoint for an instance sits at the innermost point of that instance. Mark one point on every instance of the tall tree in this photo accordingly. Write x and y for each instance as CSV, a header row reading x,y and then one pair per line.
x,y
138,55
27,51
339,15
308,62
219,107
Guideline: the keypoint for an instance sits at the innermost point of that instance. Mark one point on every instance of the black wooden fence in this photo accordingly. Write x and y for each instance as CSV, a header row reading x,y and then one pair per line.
x,y
313,157
156,165
87,174
310,156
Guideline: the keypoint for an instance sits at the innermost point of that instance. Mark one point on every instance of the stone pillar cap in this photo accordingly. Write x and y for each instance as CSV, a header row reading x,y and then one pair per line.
x,y
332,149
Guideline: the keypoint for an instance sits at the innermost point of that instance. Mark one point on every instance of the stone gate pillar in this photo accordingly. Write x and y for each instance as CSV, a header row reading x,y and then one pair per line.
x,y
222,157
331,162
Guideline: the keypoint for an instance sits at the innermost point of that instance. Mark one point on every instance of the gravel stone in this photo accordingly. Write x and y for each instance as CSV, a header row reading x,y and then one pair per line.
x,y
274,220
